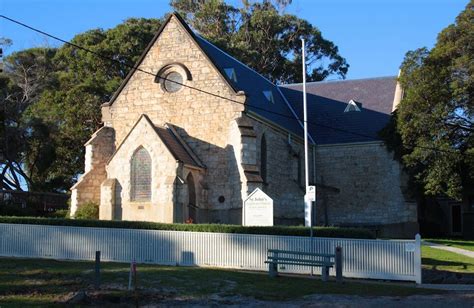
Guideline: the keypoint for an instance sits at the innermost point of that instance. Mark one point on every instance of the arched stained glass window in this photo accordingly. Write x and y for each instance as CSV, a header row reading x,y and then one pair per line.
x,y
263,159
140,176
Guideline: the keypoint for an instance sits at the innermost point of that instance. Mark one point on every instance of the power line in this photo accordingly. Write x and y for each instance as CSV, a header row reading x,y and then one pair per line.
x,y
136,68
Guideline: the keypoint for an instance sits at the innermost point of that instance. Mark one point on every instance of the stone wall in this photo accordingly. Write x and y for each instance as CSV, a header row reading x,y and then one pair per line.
x,y
283,185
203,121
370,184
161,206
98,150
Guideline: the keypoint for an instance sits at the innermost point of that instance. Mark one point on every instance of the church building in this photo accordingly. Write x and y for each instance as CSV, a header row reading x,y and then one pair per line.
x,y
193,131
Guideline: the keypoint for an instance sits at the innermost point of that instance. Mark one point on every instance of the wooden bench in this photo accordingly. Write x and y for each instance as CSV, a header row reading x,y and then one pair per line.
x,y
278,257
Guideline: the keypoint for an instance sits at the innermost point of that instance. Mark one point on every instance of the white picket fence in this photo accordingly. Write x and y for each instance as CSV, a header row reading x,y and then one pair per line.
x,y
376,259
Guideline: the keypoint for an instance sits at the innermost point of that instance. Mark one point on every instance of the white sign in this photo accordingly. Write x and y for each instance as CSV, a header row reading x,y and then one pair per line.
x,y
311,193
410,247
258,209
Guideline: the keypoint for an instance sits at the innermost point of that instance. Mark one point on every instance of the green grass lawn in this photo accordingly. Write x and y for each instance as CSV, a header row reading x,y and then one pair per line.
x,y
33,281
433,258
463,244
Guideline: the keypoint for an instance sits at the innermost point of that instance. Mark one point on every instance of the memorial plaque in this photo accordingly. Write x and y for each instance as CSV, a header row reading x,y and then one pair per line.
x,y
258,209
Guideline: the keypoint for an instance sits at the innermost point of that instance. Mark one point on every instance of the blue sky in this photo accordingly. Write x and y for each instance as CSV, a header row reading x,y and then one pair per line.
x,y
373,35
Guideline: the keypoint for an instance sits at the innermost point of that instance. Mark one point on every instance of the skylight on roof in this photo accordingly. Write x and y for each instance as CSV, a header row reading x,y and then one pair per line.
x,y
230,72
269,96
352,106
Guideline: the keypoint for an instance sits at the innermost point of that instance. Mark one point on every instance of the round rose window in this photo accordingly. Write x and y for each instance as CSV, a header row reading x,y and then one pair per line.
x,y
173,82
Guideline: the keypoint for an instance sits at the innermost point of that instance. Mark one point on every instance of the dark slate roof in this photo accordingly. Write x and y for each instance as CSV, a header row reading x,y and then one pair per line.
x,y
253,84
327,121
176,148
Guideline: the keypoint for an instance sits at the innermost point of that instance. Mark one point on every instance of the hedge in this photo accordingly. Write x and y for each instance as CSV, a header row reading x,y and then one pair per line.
x,y
217,228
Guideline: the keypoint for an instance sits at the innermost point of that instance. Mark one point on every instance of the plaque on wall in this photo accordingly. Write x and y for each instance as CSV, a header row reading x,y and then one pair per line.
x,y
258,209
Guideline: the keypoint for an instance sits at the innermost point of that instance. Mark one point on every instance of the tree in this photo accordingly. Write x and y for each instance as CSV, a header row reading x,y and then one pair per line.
x,y
264,38
60,113
26,76
64,111
433,130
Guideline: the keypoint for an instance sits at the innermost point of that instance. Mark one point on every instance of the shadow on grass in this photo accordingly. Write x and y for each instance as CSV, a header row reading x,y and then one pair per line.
x,y
435,263
47,280
463,244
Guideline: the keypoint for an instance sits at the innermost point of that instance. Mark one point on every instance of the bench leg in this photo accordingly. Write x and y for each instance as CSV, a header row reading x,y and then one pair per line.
x,y
324,273
273,269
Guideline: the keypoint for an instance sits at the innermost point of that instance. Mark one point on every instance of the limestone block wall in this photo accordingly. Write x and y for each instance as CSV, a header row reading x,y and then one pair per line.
x,y
370,184
201,119
160,207
98,150
283,185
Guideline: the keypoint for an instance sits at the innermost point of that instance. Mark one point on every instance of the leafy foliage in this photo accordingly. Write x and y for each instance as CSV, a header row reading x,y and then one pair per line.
x,y
88,210
54,97
277,230
55,112
432,133
25,147
264,38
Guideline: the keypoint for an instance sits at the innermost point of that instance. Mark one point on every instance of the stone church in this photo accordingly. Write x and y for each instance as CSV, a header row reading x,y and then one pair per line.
x,y
193,131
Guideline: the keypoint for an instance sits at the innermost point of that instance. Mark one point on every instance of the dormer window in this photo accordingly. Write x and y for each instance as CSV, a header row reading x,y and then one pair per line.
x,y
230,72
352,106
269,96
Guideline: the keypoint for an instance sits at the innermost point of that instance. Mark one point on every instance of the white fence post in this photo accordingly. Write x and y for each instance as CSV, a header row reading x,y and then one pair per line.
x,y
417,263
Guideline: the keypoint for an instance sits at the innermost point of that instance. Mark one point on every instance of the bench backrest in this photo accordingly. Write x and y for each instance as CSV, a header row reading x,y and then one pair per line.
x,y
300,253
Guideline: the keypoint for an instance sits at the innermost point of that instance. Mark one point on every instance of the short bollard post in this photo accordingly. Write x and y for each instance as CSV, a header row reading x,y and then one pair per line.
x,y
97,270
338,264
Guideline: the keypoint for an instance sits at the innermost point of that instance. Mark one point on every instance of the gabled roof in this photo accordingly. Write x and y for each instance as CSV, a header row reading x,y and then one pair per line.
x,y
249,81
328,124
327,100
175,145
254,85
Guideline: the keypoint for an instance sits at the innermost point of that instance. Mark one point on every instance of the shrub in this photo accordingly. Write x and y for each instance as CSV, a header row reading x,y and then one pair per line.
x,y
88,210
16,210
59,214
218,228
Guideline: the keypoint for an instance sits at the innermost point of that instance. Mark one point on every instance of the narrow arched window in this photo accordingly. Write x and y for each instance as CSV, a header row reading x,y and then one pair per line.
x,y
263,159
140,176
191,199
300,170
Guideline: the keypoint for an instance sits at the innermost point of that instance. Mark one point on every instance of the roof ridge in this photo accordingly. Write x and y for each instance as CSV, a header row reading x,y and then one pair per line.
x,y
336,81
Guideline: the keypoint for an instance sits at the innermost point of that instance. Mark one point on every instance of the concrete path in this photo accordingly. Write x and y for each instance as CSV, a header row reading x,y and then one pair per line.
x,y
460,251
447,287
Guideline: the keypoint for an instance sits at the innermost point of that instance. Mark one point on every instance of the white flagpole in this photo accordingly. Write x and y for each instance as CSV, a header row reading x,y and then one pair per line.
x,y
308,203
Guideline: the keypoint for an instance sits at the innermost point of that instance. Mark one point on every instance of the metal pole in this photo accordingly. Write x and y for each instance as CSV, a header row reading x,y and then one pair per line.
x,y
308,204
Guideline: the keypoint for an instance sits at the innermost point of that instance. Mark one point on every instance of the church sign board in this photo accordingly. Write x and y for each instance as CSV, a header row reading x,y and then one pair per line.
x,y
258,209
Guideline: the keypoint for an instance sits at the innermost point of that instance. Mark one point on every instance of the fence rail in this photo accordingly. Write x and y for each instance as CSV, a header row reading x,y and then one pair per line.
x,y
376,259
